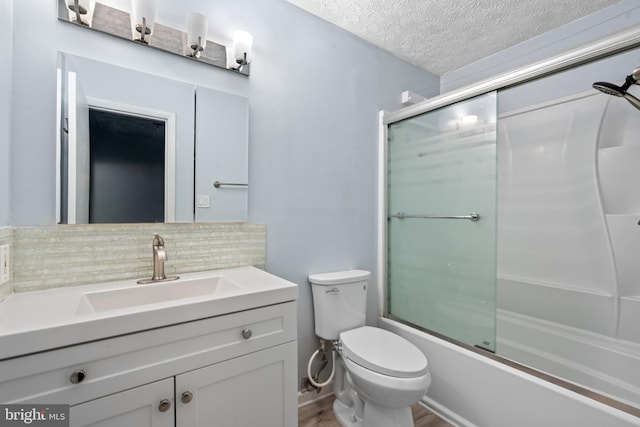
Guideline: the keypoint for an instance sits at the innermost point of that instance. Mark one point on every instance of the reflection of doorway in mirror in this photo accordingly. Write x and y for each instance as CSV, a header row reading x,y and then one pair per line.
x,y
127,168
75,174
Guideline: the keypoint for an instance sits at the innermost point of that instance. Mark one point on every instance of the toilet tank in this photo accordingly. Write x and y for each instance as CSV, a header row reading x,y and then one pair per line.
x,y
339,301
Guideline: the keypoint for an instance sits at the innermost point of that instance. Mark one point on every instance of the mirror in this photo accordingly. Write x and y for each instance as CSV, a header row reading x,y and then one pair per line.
x,y
126,145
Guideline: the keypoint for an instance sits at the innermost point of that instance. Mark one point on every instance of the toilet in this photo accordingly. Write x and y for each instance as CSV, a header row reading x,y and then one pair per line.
x,y
378,375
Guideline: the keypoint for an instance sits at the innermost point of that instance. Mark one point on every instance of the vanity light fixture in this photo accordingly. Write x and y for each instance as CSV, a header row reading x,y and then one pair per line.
x,y
196,33
242,43
139,25
143,16
79,11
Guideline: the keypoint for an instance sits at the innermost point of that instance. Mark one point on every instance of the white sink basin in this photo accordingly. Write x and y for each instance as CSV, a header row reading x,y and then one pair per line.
x,y
115,299
37,321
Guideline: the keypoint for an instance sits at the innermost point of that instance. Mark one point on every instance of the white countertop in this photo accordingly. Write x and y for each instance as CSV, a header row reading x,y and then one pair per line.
x,y
37,321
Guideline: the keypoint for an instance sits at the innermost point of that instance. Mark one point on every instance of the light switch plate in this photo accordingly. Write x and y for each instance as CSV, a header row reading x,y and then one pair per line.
x,y
203,200
5,264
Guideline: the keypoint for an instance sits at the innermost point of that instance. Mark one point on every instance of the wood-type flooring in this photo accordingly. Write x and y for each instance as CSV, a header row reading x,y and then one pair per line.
x,y
320,414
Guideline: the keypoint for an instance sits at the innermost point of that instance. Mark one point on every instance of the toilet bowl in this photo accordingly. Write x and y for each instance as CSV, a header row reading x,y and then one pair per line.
x,y
379,375
387,369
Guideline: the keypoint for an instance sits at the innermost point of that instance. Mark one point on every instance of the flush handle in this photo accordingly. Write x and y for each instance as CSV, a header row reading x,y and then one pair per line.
x,y
333,291
78,376
246,334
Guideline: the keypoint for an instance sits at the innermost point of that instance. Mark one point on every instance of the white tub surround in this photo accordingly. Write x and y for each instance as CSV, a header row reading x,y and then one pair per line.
x,y
572,353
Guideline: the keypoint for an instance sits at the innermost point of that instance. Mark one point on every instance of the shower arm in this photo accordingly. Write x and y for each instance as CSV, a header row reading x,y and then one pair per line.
x,y
632,99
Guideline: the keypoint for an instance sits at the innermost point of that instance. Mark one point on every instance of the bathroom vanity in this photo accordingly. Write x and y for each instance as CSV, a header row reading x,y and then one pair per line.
x,y
219,351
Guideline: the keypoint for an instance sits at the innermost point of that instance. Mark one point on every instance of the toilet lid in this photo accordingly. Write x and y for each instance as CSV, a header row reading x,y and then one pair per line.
x,y
383,352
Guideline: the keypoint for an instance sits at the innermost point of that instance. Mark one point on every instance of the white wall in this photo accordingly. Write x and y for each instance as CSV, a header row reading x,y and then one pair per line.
x,y
608,21
6,45
314,92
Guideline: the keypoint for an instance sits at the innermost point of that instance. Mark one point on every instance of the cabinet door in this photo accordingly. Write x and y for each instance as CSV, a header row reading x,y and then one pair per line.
x,y
140,406
258,389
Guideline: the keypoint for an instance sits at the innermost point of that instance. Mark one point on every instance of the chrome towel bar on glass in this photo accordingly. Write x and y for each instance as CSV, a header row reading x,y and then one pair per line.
x,y
219,184
473,217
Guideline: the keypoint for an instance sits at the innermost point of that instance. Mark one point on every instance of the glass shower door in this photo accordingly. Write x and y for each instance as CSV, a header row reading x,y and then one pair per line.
x,y
441,257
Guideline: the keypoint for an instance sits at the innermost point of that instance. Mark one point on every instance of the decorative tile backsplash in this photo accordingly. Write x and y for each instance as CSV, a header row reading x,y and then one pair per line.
x,y
69,255
6,238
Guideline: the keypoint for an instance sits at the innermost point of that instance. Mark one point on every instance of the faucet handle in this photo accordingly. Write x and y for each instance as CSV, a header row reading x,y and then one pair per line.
x,y
161,254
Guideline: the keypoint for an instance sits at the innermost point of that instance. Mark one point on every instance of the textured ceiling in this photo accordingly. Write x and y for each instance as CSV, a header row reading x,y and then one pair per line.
x,y
444,35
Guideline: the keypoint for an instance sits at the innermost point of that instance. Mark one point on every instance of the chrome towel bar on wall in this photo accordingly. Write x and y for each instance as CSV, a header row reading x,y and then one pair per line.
x,y
219,184
473,217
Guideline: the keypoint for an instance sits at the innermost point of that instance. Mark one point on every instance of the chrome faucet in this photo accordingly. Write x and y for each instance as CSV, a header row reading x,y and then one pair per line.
x,y
159,257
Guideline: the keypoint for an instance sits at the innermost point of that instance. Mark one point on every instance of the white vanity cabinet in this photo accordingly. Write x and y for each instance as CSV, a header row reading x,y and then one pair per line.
x,y
237,369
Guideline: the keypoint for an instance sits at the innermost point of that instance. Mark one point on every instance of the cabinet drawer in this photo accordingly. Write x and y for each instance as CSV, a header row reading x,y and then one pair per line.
x,y
124,362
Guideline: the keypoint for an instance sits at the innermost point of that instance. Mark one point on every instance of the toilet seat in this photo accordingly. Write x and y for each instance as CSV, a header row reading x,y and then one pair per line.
x,y
383,352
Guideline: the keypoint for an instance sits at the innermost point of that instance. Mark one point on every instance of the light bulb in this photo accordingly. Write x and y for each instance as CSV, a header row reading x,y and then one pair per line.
x,y
242,43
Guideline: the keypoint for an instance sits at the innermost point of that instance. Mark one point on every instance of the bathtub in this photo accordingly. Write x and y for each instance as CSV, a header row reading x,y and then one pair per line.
x,y
469,389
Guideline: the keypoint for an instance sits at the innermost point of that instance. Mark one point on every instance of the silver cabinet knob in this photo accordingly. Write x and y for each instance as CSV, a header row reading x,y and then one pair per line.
x,y
246,334
187,397
165,405
78,376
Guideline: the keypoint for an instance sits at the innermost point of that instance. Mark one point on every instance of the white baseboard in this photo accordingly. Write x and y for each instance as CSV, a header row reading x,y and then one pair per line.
x,y
444,413
307,397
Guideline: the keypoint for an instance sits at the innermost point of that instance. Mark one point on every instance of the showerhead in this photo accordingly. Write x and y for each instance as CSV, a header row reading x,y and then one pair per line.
x,y
621,91
609,88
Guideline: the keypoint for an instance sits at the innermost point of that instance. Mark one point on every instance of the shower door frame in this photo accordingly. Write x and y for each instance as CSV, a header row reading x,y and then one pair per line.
x,y
611,45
